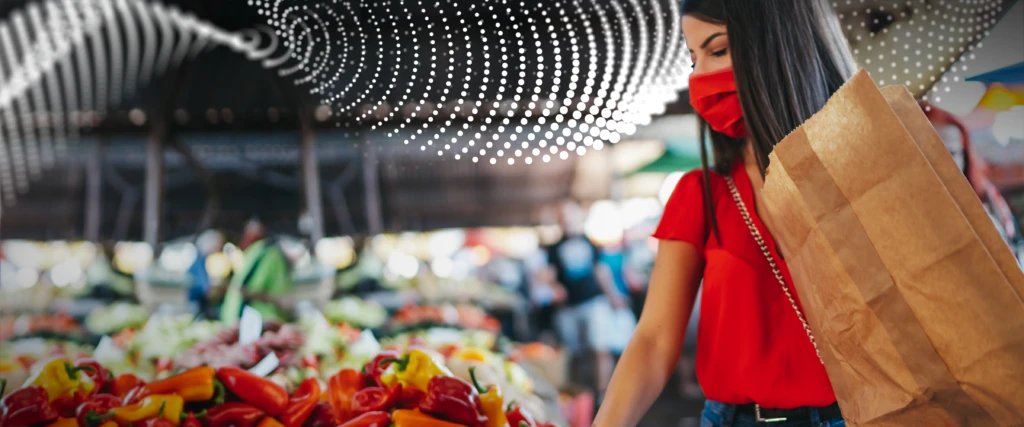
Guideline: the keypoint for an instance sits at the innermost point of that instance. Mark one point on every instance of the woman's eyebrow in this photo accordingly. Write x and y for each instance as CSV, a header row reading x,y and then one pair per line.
x,y
710,38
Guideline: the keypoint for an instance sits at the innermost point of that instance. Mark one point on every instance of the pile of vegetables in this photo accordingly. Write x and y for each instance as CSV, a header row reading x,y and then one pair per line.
x,y
414,388
356,312
462,315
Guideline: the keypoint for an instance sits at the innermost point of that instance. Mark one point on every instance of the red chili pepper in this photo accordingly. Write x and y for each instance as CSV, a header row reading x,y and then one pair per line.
x,y
374,369
67,405
453,399
375,399
234,414
370,419
27,406
323,416
518,416
124,384
252,388
94,410
100,375
302,403
340,390
191,419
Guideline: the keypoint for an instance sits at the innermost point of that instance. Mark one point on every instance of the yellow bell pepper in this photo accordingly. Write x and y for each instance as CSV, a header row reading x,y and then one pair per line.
x,y
492,402
151,407
415,369
60,378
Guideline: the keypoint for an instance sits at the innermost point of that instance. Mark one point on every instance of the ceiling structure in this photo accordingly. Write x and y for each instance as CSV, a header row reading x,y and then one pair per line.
x,y
234,131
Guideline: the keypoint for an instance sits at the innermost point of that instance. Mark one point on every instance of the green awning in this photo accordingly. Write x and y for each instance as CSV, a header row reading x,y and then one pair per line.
x,y
679,156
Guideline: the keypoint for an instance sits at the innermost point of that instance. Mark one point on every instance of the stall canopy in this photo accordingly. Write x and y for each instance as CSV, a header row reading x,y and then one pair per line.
x,y
1013,74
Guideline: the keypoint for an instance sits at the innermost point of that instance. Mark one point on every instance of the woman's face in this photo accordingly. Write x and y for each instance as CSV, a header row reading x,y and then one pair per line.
x,y
708,44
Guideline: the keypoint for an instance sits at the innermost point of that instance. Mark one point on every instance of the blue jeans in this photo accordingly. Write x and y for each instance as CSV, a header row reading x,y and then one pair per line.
x,y
718,414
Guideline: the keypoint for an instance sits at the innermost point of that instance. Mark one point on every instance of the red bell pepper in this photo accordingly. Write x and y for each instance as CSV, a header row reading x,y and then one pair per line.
x,y
27,406
253,389
301,404
370,419
341,388
192,419
517,416
97,408
323,416
453,399
123,384
375,367
67,405
411,398
375,399
100,375
234,414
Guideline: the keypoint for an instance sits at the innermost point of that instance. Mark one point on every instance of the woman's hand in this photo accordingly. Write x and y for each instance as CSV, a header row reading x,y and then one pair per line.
x,y
651,356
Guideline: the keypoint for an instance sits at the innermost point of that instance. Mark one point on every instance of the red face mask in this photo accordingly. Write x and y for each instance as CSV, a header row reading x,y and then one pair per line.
x,y
713,95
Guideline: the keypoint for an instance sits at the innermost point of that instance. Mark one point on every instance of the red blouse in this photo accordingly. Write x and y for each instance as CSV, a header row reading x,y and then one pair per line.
x,y
751,347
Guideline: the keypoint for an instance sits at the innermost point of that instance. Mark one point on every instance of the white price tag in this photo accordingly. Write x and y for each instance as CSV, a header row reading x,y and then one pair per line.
x,y
266,366
250,327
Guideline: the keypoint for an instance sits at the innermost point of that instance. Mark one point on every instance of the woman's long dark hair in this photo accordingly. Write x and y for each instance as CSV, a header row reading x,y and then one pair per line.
x,y
789,57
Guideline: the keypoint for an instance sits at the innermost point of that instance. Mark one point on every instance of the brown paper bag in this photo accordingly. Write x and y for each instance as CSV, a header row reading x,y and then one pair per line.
x,y
914,300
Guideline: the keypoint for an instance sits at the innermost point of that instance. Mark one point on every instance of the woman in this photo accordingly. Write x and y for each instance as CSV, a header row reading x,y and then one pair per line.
x,y
761,68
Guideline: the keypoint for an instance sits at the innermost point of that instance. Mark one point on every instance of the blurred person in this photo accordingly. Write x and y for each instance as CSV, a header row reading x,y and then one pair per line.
x,y
761,68
587,320
208,243
956,137
265,280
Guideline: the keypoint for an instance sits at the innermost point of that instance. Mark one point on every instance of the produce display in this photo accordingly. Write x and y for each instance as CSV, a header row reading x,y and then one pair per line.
x,y
116,317
22,326
463,316
414,387
436,367
357,312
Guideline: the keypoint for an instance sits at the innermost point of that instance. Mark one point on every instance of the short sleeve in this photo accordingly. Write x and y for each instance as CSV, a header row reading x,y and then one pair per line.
x,y
684,217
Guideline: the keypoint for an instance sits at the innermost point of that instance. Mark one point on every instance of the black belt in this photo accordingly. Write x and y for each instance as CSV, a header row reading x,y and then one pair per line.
x,y
766,415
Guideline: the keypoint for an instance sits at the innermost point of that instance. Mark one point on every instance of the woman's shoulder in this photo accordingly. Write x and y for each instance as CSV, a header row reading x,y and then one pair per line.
x,y
692,183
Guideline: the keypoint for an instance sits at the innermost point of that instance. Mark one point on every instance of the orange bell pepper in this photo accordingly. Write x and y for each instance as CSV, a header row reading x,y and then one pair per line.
x,y
193,385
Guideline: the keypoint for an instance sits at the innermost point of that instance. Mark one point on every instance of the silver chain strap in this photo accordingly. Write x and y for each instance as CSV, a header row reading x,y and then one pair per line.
x,y
771,261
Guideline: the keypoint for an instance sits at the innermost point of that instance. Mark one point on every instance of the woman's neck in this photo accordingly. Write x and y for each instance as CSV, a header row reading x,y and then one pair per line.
x,y
751,166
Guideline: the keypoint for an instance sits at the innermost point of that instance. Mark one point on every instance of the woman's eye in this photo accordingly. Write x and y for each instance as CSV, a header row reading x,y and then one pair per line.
x,y
719,53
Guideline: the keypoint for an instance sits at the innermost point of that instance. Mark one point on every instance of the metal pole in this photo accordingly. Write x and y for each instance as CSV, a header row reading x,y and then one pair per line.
x,y
311,180
94,191
154,181
371,182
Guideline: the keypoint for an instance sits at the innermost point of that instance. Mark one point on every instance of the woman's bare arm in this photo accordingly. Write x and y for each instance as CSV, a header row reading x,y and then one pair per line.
x,y
654,350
